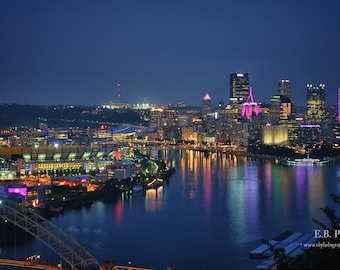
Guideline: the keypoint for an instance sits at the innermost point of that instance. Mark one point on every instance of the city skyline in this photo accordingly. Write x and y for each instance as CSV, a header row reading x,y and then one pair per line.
x,y
76,52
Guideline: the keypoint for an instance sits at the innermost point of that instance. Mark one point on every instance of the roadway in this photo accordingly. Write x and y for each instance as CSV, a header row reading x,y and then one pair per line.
x,y
27,264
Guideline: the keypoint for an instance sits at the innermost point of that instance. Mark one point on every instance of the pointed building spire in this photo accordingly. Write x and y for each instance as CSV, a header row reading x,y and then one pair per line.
x,y
207,97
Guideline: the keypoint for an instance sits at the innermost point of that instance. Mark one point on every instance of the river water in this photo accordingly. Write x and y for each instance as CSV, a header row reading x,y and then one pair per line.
x,y
213,211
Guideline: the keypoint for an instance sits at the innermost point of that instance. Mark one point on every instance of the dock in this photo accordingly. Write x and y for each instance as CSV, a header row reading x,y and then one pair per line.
x,y
291,242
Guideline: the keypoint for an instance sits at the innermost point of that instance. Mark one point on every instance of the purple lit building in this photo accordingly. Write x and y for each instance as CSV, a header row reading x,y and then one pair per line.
x,y
18,189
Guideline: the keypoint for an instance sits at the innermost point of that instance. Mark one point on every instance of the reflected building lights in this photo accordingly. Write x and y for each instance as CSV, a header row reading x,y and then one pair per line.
x,y
119,212
154,199
252,197
207,187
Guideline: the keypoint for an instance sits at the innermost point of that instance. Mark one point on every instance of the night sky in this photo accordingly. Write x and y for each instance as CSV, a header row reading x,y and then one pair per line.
x,y
75,52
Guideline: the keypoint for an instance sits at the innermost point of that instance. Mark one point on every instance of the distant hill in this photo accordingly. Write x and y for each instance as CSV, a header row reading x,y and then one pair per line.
x,y
63,116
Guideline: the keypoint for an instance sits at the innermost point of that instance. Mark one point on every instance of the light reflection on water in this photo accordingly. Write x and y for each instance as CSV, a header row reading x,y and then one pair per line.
x,y
211,213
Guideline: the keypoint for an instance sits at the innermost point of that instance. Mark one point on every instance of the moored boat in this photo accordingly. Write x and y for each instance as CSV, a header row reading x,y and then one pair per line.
x,y
155,183
308,161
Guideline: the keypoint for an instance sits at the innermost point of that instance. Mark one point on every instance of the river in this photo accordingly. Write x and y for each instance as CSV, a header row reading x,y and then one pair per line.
x,y
211,213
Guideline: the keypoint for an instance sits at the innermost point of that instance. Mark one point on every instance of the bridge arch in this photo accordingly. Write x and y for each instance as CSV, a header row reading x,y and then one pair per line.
x,y
54,238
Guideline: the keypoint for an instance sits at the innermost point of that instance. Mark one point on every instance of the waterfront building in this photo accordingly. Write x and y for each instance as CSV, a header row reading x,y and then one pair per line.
x,y
205,137
316,111
122,170
238,134
210,138
222,135
274,135
189,134
255,128
75,159
152,134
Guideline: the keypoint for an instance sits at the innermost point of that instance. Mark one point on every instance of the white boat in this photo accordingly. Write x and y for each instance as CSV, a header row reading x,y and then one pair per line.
x,y
308,161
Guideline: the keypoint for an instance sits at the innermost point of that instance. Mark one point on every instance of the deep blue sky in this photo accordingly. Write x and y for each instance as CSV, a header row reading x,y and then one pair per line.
x,y
75,52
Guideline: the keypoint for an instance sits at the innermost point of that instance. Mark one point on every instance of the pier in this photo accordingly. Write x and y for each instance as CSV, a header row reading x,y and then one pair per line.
x,y
291,243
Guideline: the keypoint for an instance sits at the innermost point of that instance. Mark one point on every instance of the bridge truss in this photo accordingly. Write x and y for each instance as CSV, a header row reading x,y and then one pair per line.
x,y
62,244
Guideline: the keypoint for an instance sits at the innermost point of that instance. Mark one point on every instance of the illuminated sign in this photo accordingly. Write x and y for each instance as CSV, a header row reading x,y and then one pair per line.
x,y
310,126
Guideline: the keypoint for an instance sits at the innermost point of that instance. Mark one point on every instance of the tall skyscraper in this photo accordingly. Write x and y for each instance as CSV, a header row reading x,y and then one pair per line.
x,y
239,87
207,106
281,108
316,107
285,88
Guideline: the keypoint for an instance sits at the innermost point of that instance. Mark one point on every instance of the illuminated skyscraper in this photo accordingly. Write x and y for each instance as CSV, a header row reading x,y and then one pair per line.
x,y
316,110
239,87
281,108
207,106
285,88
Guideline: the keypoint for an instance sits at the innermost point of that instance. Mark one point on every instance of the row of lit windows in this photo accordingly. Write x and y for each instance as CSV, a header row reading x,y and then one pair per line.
x,y
58,166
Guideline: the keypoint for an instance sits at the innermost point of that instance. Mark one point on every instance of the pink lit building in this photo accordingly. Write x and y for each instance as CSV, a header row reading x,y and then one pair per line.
x,y
250,106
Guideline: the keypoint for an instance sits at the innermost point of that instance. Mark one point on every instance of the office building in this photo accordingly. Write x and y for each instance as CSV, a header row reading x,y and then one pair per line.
x,y
285,88
281,108
239,87
239,92
316,111
207,107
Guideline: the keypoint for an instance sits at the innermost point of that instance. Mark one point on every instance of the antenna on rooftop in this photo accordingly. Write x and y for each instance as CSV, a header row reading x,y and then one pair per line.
x,y
118,92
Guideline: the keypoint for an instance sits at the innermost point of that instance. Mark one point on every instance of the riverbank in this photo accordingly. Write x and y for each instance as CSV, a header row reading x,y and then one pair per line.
x,y
64,198
283,160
